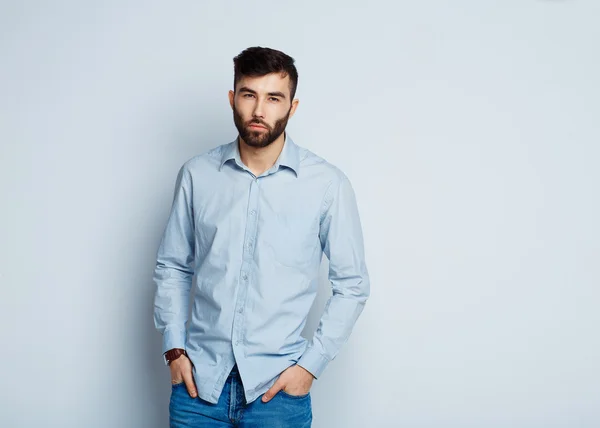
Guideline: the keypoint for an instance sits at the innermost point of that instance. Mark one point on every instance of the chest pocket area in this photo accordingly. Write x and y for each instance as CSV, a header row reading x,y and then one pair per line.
x,y
289,233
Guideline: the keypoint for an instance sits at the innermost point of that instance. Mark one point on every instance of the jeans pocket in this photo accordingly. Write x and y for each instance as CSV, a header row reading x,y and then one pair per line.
x,y
297,397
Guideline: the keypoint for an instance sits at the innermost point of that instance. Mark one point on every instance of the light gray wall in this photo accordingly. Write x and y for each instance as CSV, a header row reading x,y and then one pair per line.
x,y
470,131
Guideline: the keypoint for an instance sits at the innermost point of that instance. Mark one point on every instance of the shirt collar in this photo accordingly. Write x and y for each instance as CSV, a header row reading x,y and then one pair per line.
x,y
289,156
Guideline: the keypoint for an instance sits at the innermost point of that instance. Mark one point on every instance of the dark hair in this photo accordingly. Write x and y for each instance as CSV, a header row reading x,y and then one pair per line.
x,y
258,61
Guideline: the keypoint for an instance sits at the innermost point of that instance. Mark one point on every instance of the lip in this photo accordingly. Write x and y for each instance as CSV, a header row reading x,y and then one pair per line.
x,y
257,127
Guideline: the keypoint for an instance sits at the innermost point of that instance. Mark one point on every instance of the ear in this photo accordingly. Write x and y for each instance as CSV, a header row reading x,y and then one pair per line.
x,y
231,95
294,106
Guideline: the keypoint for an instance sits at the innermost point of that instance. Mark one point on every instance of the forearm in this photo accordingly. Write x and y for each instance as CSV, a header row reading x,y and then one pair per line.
x,y
339,317
171,303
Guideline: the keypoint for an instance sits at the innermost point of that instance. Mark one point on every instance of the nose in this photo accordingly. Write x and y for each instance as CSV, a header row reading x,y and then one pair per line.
x,y
258,109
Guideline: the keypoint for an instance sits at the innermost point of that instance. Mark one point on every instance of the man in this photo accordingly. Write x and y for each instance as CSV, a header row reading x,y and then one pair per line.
x,y
249,223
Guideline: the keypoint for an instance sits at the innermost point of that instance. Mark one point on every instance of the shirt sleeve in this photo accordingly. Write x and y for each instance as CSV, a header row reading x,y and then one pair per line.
x,y
174,267
342,242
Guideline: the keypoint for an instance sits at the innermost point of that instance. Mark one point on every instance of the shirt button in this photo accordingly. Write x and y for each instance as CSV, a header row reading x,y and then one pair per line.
x,y
245,276
252,212
240,310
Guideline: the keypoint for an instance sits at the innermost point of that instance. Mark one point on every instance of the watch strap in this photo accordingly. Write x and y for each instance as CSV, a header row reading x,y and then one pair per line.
x,y
172,354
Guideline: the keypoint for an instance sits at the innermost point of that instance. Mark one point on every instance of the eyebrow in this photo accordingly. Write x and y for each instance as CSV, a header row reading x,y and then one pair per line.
x,y
271,94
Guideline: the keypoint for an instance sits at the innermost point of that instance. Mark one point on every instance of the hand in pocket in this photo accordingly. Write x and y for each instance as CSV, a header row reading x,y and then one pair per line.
x,y
181,372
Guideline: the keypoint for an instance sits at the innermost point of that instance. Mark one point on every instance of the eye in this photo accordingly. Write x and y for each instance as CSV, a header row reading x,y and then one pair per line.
x,y
248,95
274,99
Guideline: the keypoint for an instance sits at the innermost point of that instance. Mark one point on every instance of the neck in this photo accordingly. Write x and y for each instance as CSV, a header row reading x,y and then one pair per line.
x,y
260,159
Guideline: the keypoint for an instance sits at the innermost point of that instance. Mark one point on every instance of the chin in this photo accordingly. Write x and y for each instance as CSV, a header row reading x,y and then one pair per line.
x,y
254,141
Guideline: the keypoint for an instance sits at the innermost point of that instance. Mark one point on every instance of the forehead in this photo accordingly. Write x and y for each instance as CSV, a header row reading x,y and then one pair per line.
x,y
272,82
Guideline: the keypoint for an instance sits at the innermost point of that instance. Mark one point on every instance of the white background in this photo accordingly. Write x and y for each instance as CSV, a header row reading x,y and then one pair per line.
x,y
470,132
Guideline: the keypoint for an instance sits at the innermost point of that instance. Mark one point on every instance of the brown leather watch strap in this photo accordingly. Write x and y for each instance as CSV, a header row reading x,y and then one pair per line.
x,y
173,354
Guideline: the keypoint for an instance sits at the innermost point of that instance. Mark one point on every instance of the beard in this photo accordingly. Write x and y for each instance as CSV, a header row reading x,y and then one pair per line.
x,y
259,138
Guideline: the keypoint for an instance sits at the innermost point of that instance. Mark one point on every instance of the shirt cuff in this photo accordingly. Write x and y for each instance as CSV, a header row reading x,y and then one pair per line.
x,y
173,338
313,361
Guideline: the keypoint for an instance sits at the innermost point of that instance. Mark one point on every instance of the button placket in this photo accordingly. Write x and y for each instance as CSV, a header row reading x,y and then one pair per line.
x,y
247,256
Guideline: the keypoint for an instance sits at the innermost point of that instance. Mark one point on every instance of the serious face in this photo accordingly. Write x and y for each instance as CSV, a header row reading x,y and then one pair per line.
x,y
261,108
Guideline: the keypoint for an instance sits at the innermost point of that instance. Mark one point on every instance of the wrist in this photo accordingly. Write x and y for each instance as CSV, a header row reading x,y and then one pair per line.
x,y
173,354
307,372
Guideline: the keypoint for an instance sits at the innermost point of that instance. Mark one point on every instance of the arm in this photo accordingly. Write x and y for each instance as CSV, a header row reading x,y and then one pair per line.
x,y
174,267
342,241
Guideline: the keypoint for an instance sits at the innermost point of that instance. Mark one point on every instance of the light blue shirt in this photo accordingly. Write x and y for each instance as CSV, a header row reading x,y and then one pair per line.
x,y
251,248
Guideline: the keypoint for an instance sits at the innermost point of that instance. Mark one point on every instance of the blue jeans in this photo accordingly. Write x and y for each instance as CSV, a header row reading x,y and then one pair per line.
x,y
282,411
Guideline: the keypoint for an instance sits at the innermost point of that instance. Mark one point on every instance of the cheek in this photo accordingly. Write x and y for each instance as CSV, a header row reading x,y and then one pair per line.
x,y
244,109
276,113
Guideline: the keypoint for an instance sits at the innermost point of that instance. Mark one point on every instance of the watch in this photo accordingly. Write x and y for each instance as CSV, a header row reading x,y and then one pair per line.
x,y
172,355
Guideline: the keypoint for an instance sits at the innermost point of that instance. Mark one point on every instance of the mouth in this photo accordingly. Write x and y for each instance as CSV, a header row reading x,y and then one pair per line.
x,y
255,126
